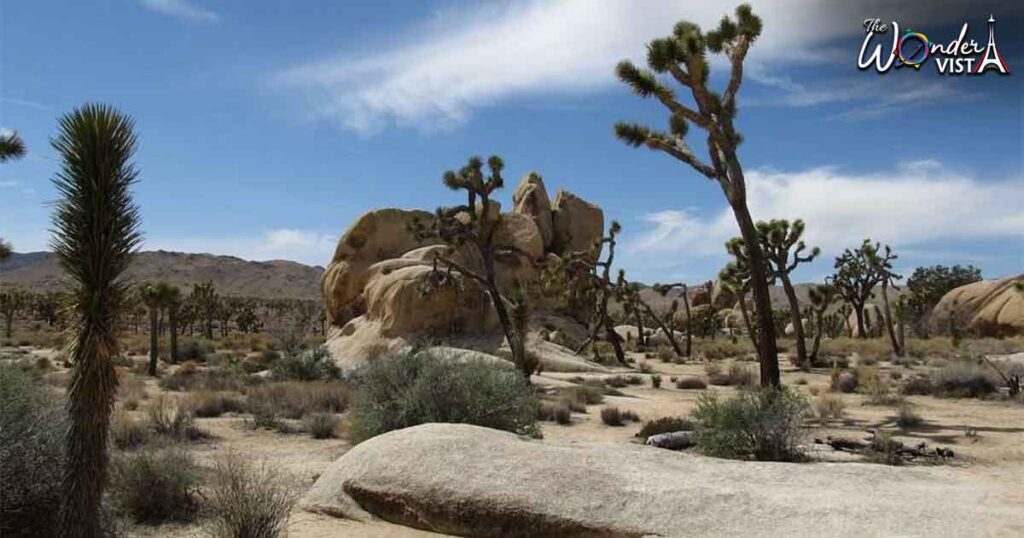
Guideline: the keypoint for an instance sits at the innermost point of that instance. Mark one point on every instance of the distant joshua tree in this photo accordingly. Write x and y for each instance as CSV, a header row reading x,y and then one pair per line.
x,y
683,55
172,300
782,245
628,295
205,302
822,296
5,250
855,278
95,223
12,302
601,282
666,322
149,295
474,225
735,278
881,259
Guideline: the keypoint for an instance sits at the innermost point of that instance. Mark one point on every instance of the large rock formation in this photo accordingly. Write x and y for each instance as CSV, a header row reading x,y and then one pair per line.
x,y
987,308
579,224
473,481
375,288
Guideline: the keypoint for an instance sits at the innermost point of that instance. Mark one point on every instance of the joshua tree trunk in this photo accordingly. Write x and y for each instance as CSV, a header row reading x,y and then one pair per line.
x,y
641,339
665,327
689,323
818,329
896,347
858,311
798,326
173,315
154,342
751,333
8,324
767,350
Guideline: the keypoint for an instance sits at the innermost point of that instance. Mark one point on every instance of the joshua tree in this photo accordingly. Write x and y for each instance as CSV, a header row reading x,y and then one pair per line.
x,y
11,147
601,282
667,322
628,295
5,250
205,301
150,295
881,259
172,300
684,56
783,247
95,223
927,285
821,296
12,302
855,279
735,278
474,225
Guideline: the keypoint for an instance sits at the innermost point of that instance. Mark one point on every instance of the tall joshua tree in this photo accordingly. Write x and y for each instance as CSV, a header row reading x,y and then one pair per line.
x,y
683,55
95,233
150,296
881,259
600,276
628,295
783,247
666,322
735,278
474,225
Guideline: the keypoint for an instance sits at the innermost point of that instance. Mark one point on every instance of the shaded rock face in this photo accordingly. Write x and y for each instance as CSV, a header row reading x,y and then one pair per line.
x,y
578,224
988,308
473,481
377,291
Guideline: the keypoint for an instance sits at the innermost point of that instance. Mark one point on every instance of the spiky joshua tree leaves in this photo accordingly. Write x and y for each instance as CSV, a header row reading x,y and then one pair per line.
x,y
11,147
95,233
683,56
784,248
474,225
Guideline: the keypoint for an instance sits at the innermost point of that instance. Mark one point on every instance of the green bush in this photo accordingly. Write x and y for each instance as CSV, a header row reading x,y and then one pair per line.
x,y
247,500
665,425
656,381
311,365
764,424
154,487
32,429
418,388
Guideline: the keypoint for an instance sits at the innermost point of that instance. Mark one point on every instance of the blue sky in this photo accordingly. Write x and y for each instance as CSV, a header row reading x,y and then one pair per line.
x,y
267,127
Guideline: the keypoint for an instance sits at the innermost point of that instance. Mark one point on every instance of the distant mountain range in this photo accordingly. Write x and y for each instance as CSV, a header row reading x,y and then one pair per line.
x,y
40,271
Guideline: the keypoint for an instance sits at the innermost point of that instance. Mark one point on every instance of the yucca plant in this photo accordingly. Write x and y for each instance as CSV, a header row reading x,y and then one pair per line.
x,y
95,234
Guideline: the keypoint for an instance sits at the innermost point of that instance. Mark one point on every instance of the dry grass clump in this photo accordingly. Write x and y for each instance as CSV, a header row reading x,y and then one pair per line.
x,y
321,425
584,394
734,374
173,419
719,349
877,389
656,381
907,417
208,403
130,390
190,377
876,349
613,416
153,487
558,412
919,384
665,425
830,407
128,432
294,399
964,380
247,500
691,382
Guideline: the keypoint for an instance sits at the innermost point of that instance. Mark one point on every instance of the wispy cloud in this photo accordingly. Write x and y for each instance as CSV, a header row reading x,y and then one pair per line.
x,y
458,62
182,9
913,204
25,103
304,246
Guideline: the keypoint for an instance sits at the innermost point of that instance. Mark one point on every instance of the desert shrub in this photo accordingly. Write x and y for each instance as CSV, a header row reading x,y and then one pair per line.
x,y
190,349
247,500
613,416
885,449
867,361
32,429
634,380
918,384
645,367
714,350
865,348
656,381
936,346
130,390
907,417
189,377
557,412
311,365
666,354
688,382
801,381
208,403
293,399
154,487
172,418
964,380
585,394
665,425
616,381
321,425
127,432
896,375
765,424
413,389
734,374
268,357
830,407
844,381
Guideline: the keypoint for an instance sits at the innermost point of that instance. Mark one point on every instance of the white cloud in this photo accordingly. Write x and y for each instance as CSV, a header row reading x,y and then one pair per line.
x,y
304,246
916,203
180,8
477,56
